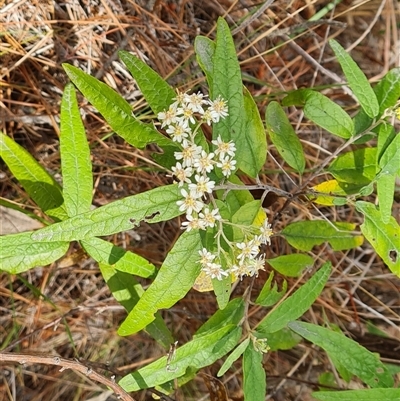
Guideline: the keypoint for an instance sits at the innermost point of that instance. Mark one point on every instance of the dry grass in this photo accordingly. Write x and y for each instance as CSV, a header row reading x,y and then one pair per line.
x,y
66,309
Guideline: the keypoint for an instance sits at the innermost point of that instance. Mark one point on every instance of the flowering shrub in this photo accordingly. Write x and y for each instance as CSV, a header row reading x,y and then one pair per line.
x,y
226,230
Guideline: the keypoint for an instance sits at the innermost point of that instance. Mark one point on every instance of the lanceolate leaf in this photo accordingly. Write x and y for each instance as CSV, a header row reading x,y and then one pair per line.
x,y
291,265
384,237
252,142
357,80
75,157
127,291
348,353
270,295
254,381
327,114
156,90
283,136
156,205
388,89
37,182
199,352
303,235
234,356
105,252
297,304
19,253
115,110
374,394
173,281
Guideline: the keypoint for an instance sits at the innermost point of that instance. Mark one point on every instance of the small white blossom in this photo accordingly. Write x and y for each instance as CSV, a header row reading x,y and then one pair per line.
x,y
202,185
190,152
186,115
256,265
190,203
169,116
215,270
227,165
210,216
195,102
223,148
249,250
218,109
178,132
206,257
207,117
181,173
266,232
204,163
193,223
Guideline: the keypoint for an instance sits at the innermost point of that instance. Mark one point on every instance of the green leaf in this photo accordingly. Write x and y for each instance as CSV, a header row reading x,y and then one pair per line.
x,y
156,205
201,351
222,290
232,314
270,295
357,80
37,182
284,137
283,339
127,291
304,235
234,356
389,162
174,279
384,237
328,115
115,110
296,98
297,304
249,214
356,167
254,381
19,253
291,265
386,135
251,157
352,356
204,49
385,185
155,90
75,157
375,394
105,252
388,90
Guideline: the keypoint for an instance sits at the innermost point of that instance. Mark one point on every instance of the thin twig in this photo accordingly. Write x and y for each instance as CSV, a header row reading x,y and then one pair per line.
x,y
66,364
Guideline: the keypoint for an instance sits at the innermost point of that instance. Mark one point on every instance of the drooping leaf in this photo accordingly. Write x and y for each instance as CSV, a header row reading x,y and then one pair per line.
x,y
127,291
328,115
37,182
284,137
384,237
174,279
355,358
269,294
125,261
201,351
304,235
374,394
155,89
254,381
234,356
297,304
115,110
355,167
19,253
357,80
291,265
75,156
156,205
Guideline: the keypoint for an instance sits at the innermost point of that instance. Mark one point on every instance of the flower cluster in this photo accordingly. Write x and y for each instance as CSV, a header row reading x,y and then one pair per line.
x,y
248,259
194,164
192,173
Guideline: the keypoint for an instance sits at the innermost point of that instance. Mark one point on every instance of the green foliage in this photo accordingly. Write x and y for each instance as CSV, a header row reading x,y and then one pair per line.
x,y
227,249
